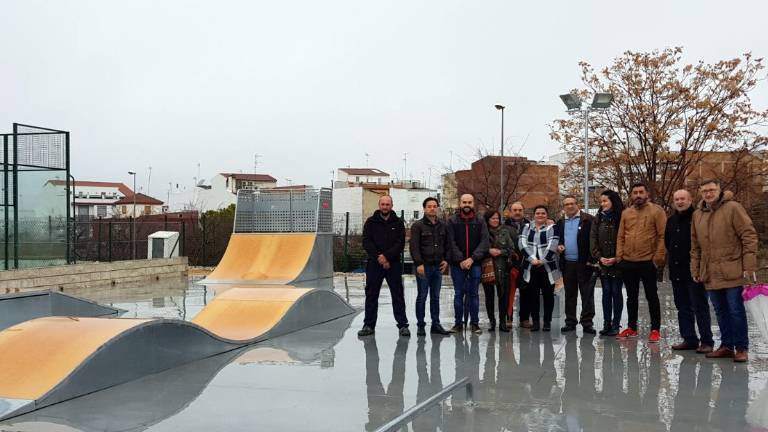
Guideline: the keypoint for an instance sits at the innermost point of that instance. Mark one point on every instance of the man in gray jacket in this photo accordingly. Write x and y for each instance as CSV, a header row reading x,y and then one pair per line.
x,y
428,245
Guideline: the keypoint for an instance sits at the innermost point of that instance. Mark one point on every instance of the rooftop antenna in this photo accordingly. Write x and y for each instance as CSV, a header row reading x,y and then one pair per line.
x,y
366,160
256,158
405,164
149,178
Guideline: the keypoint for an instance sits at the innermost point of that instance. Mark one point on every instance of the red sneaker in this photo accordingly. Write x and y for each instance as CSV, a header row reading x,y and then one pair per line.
x,y
628,333
654,337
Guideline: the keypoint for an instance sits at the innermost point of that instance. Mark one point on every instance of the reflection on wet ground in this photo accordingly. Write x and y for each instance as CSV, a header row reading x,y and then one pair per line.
x,y
325,378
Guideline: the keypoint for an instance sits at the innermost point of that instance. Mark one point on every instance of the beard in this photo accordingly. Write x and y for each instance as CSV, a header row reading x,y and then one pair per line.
x,y
467,209
639,201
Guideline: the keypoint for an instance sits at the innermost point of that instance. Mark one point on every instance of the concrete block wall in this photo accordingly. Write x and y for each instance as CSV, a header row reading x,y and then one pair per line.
x,y
86,275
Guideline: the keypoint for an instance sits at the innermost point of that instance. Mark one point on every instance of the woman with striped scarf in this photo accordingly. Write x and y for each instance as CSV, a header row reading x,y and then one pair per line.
x,y
538,244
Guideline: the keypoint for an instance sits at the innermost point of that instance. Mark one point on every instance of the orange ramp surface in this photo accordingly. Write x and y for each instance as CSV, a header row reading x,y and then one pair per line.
x,y
47,360
264,258
39,354
247,313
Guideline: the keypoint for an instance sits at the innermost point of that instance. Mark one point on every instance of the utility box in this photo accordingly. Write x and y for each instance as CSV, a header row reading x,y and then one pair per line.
x,y
163,244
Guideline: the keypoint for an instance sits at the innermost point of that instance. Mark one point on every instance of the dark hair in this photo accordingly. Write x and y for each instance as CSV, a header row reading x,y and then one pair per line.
x,y
637,185
570,196
710,180
489,214
617,206
541,206
428,199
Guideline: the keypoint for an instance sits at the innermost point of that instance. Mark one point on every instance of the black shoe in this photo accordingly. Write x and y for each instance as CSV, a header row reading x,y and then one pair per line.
x,y
492,326
547,327
457,328
405,332
613,331
567,328
420,331
535,327
503,327
606,328
438,329
366,331
589,330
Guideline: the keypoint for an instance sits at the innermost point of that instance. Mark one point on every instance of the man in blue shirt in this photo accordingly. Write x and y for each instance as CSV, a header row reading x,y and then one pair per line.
x,y
576,264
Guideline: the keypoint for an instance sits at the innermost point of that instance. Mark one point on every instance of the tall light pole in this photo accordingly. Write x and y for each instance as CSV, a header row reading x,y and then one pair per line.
x,y
601,101
501,171
133,222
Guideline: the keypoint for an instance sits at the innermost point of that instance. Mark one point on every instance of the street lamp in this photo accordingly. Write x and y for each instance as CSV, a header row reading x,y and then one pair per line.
x,y
573,103
133,213
501,171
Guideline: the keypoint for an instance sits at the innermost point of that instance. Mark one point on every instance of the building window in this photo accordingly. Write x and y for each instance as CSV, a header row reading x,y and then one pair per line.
x,y
147,210
415,214
101,211
357,179
124,210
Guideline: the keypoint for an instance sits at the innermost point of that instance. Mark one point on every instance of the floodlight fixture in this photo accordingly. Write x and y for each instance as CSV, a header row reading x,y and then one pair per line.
x,y
602,100
571,101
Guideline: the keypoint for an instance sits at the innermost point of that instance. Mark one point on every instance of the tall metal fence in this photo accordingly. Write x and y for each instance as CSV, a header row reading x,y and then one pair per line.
x,y
203,239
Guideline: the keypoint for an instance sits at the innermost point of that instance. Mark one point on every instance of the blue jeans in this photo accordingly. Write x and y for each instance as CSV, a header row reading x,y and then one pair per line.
x,y
692,309
731,317
466,283
613,300
428,284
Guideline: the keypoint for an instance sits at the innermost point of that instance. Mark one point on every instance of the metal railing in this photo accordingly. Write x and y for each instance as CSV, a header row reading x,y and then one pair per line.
x,y
408,416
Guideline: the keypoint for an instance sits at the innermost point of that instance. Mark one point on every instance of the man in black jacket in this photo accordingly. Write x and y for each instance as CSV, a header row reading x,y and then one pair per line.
x,y
517,220
575,262
384,241
690,297
429,239
469,243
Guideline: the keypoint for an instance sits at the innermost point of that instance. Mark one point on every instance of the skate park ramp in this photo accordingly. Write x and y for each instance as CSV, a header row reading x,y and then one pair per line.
x,y
53,359
283,258
279,237
20,307
139,404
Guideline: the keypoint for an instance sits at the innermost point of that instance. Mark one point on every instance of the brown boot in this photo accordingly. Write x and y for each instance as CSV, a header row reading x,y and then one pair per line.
x,y
526,324
684,346
722,352
704,349
741,356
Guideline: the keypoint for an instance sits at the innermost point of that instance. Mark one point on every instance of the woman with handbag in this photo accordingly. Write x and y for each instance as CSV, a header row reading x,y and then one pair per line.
x,y
605,228
538,245
495,269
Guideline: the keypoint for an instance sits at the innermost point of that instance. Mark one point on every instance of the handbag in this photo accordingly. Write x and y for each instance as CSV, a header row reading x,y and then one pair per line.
x,y
487,271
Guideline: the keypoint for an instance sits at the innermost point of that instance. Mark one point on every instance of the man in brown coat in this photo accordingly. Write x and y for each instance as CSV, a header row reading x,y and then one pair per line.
x,y
724,258
639,252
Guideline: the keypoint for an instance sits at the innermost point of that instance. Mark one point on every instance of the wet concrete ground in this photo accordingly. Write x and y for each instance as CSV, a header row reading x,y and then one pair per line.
x,y
326,378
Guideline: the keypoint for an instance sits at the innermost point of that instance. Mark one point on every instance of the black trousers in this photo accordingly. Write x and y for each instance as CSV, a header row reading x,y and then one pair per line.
x,y
502,292
375,275
633,273
539,283
576,280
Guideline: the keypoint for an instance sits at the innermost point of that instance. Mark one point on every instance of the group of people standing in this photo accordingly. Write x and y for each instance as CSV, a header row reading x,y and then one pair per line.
x,y
710,250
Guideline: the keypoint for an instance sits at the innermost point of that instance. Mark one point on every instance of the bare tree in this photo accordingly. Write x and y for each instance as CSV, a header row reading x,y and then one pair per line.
x,y
665,119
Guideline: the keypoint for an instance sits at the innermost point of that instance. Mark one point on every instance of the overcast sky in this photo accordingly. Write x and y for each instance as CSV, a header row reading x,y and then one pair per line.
x,y
314,85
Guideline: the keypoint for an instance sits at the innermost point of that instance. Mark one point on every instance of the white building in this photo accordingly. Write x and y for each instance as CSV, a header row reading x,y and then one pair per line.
x,y
361,198
90,199
220,191
360,176
145,205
